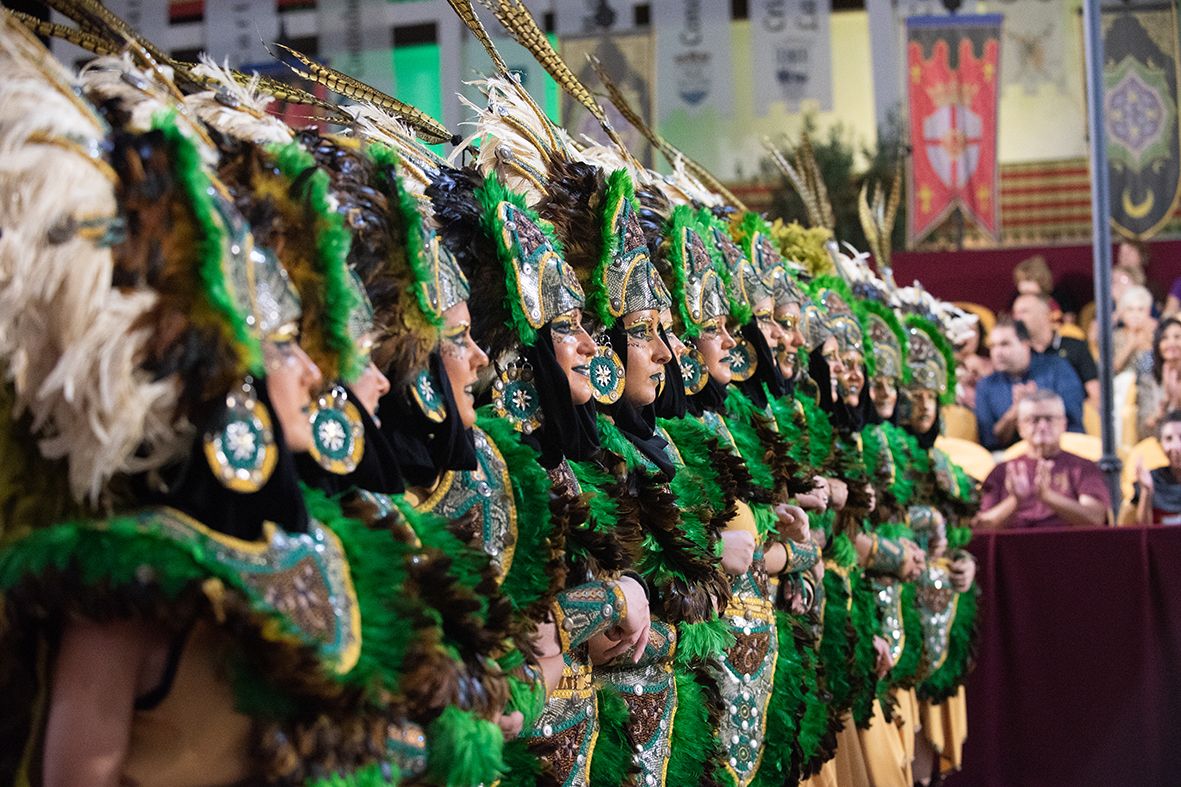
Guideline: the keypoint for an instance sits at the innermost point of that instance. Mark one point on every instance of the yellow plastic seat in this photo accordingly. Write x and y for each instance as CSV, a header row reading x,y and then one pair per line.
x,y
1072,331
959,422
1084,445
1091,424
1129,419
1149,450
976,460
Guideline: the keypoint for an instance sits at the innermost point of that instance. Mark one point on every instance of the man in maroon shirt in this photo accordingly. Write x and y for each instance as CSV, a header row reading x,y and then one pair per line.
x,y
1047,486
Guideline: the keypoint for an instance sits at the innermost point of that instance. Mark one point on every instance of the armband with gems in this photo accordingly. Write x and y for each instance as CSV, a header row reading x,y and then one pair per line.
x,y
801,555
886,556
586,610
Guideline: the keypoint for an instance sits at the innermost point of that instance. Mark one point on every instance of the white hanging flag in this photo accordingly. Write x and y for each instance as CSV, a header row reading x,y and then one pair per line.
x,y
356,38
147,17
791,52
593,17
1041,42
692,57
240,31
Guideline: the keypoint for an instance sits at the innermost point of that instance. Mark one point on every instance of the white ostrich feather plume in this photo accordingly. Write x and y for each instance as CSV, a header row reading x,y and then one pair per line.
x,y
244,115
690,186
68,339
854,267
117,77
609,158
419,163
513,136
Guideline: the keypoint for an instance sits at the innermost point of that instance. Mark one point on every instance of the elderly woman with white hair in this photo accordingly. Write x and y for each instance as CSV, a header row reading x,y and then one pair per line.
x,y
1133,356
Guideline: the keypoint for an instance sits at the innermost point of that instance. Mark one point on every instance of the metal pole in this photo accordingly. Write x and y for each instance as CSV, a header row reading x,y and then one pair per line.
x,y
1109,463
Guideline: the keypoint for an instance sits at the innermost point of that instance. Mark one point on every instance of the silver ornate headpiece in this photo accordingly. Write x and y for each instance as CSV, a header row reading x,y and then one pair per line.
x,y
814,323
545,285
445,284
841,320
928,368
748,284
361,319
628,279
887,350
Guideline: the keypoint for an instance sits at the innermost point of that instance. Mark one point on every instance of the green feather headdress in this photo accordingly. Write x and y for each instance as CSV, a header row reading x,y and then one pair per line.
x,y
332,293
745,282
540,283
191,174
421,279
833,293
867,312
931,357
619,189
698,287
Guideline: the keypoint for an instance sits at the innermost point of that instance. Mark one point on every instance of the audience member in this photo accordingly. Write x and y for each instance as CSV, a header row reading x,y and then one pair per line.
x,y
1034,312
1161,393
1122,279
1019,372
972,365
1047,486
1158,492
1132,256
1132,346
1032,276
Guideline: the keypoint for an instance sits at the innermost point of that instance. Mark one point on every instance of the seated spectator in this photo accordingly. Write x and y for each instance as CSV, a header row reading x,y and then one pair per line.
x,y
1122,279
1019,372
1132,256
1047,486
1132,344
1032,276
1161,393
972,365
1158,492
1034,312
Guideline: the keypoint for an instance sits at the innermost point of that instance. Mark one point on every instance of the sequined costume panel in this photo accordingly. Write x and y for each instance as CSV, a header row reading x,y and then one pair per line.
x,y
566,731
406,748
747,672
937,602
888,591
486,490
583,611
302,577
649,688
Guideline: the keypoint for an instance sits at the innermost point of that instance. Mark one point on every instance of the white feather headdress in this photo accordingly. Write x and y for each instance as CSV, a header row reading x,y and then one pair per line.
x,y
69,341
236,108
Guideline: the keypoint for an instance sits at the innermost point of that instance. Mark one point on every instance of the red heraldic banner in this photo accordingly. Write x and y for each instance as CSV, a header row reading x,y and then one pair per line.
x,y
953,86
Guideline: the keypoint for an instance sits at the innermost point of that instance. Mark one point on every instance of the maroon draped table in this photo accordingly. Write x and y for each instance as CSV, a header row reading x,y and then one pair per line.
x,y
1079,676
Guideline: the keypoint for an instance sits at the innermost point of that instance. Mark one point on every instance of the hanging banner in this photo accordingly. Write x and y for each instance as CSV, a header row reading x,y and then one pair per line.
x,y
1041,44
791,53
147,17
354,37
240,31
628,61
1140,77
692,57
593,17
952,65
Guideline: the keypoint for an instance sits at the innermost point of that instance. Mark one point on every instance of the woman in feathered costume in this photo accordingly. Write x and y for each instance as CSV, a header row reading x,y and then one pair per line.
x,y
665,482
477,468
187,524
946,592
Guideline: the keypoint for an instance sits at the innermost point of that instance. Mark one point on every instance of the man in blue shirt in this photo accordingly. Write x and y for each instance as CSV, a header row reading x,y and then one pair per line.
x,y
1020,372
